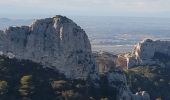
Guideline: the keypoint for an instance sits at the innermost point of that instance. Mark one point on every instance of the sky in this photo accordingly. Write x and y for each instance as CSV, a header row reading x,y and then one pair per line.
x,y
43,8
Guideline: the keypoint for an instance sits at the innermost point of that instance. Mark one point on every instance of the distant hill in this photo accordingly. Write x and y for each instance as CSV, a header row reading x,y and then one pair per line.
x,y
6,22
5,19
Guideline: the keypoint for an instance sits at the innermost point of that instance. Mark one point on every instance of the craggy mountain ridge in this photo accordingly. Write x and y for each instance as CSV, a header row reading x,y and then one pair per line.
x,y
62,47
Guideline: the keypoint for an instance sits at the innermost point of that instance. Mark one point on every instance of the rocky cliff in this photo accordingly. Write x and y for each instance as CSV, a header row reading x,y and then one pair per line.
x,y
147,52
60,44
55,42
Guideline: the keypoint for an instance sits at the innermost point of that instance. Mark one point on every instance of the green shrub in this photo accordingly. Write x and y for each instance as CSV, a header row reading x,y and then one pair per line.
x,y
58,84
3,87
158,98
71,95
104,99
26,79
26,87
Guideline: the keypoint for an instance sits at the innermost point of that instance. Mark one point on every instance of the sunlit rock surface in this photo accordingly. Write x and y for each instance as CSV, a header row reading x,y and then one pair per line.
x,y
55,42
147,52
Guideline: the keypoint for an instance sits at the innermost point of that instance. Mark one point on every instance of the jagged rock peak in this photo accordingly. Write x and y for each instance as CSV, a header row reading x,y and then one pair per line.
x,y
147,48
146,40
57,18
147,52
55,42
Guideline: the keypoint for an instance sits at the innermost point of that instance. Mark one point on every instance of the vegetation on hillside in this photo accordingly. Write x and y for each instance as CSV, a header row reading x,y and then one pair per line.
x,y
153,79
25,80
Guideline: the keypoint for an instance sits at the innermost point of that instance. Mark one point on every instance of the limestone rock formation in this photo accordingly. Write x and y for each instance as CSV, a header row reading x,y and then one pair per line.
x,y
55,42
106,65
105,61
147,52
61,44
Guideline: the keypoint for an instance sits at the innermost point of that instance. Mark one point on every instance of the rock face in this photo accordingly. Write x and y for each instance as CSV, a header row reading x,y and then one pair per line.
x,y
105,61
61,44
147,52
54,42
106,65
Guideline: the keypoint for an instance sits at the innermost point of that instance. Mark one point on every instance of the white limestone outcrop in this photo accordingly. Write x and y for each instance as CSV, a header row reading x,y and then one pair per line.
x,y
54,42
146,52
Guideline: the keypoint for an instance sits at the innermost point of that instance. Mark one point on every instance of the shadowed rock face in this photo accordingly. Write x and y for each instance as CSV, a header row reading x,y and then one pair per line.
x,y
57,42
105,62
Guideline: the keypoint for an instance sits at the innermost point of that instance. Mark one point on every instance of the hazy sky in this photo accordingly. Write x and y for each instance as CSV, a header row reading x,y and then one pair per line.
x,y
35,8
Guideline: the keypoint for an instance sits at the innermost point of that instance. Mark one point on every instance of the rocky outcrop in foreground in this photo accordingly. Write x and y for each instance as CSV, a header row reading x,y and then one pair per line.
x,y
147,52
55,42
